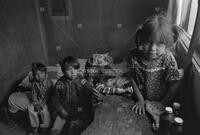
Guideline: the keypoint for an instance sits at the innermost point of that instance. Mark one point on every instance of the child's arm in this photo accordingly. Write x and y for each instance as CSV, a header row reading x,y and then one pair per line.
x,y
173,77
109,90
173,87
55,99
139,106
87,85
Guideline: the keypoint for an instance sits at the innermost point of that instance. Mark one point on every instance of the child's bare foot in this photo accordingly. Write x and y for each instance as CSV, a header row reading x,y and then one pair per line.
x,y
154,109
155,124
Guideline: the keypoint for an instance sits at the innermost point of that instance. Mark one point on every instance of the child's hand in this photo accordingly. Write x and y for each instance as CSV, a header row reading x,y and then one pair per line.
x,y
37,107
88,85
139,107
129,90
120,90
120,82
75,123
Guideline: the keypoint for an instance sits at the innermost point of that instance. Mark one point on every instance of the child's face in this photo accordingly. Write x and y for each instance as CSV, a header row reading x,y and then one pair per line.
x,y
40,76
153,50
71,72
110,82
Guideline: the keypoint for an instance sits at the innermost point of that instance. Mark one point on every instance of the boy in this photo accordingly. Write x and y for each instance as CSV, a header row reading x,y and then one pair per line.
x,y
35,100
71,99
40,88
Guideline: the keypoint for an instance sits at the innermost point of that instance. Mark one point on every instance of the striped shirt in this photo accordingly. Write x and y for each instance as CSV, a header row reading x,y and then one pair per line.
x,y
102,88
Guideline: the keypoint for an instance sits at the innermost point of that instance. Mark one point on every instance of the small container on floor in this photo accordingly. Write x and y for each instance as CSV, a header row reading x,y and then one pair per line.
x,y
166,118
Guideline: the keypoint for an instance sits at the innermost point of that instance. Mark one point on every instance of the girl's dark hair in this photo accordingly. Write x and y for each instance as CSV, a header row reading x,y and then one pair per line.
x,y
69,61
177,32
38,67
156,28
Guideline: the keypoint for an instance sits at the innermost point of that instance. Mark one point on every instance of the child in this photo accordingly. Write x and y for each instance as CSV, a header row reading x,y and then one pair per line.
x,y
111,85
155,75
35,100
71,98
93,73
40,87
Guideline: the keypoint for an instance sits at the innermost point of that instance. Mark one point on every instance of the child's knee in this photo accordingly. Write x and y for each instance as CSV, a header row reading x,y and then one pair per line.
x,y
18,101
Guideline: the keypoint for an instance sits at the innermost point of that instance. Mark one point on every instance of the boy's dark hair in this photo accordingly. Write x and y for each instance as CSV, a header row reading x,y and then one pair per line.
x,y
69,61
155,28
38,67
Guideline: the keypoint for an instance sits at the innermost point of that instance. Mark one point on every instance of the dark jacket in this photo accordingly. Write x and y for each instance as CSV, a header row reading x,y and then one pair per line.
x,y
71,95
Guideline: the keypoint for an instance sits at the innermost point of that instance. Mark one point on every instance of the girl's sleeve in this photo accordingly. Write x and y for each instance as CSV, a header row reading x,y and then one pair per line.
x,y
172,71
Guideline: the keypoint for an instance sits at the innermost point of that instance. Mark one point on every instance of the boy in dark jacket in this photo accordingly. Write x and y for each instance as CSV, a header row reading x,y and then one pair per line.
x,y
71,98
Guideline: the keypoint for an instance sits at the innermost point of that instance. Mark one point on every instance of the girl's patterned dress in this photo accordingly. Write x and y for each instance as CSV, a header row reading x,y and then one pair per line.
x,y
153,76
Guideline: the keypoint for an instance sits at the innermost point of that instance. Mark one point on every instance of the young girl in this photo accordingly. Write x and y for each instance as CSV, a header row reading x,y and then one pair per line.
x,y
155,75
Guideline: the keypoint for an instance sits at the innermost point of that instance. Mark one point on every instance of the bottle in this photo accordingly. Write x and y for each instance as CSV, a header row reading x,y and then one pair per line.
x,y
176,108
166,118
176,128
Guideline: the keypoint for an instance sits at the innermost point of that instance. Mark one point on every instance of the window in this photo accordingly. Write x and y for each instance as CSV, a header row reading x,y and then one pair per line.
x,y
187,22
192,16
183,13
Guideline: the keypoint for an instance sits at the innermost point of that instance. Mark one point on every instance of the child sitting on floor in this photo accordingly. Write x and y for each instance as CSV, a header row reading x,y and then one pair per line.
x,y
71,100
34,100
155,75
38,110
111,84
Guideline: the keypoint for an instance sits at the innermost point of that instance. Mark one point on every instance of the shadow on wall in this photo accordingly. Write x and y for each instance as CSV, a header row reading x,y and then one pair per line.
x,y
121,42
98,26
20,42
